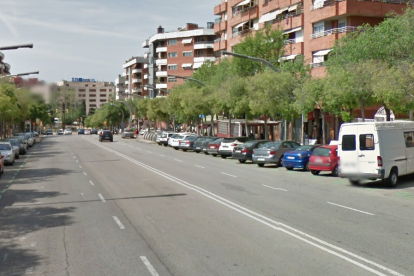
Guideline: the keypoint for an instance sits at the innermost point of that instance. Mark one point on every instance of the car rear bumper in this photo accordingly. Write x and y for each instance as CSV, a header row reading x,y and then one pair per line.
x,y
371,176
294,163
226,152
212,151
241,156
264,159
321,166
185,147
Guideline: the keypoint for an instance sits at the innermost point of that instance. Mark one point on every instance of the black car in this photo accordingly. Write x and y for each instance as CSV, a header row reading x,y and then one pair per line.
x,y
81,131
94,131
188,143
244,151
106,135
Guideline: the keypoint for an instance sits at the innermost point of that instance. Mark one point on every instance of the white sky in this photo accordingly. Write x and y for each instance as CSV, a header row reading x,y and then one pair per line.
x,y
88,38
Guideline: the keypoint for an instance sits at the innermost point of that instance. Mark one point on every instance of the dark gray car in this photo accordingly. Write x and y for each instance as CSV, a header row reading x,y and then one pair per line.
x,y
198,143
207,142
188,143
244,151
272,152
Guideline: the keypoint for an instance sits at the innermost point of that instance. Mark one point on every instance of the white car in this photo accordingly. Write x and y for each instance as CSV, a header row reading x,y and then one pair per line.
x,y
228,144
174,141
67,132
60,132
163,138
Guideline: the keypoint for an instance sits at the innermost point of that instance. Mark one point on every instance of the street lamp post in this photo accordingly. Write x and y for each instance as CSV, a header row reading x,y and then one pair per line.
x,y
20,74
14,47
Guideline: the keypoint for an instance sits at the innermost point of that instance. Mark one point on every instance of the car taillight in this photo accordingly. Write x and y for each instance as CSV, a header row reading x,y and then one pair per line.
x,y
253,151
233,145
272,152
379,160
188,142
245,151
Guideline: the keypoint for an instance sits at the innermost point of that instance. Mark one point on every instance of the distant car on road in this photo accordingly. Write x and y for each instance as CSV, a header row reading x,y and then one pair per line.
x,y
87,132
324,158
94,131
67,131
272,152
299,158
49,132
60,132
81,131
244,151
127,134
106,135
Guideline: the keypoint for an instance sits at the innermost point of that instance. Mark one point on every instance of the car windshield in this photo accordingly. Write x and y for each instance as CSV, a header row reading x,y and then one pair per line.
x,y
191,138
248,144
322,152
5,147
218,141
304,148
270,145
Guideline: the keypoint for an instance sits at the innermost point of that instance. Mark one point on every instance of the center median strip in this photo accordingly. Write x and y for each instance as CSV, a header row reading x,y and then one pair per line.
x,y
334,250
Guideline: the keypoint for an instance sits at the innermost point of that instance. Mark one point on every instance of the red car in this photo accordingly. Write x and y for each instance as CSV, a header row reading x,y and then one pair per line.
x,y
1,164
324,158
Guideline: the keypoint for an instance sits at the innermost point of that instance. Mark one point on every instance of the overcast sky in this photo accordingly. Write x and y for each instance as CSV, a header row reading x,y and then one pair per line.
x,y
88,38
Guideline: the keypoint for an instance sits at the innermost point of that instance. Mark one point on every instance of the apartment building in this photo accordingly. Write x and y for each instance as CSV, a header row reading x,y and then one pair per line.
x,y
94,93
312,27
177,53
120,88
135,76
4,67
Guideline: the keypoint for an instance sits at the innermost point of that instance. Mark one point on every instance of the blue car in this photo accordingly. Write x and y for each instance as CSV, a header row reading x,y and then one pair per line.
x,y
299,158
81,131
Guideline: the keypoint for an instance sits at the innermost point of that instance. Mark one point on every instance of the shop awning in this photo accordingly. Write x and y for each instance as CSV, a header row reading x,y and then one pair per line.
x,y
322,52
187,65
240,25
292,30
269,16
187,40
292,8
242,3
288,57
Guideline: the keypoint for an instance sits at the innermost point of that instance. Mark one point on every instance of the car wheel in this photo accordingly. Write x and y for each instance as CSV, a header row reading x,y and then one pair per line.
x,y
280,163
392,179
260,164
354,181
165,145
18,156
214,155
184,150
159,144
223,156
175,148
197,151
306,167
242,161
315,172
112,140
335,171
206,153
289,168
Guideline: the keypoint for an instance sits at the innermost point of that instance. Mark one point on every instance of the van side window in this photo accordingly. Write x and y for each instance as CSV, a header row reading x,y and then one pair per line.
x,y
408,137
348,142
366,142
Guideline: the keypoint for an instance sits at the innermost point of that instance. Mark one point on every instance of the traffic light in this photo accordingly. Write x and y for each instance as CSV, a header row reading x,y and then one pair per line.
x,y
112,102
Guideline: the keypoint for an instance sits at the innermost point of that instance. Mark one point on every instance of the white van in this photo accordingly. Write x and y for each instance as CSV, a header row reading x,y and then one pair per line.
x,y
376,150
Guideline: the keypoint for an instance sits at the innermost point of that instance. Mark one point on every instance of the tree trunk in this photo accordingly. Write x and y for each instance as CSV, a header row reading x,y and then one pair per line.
x,y
229,116
212,124
362,106
323,128
265,127
387,113
245,125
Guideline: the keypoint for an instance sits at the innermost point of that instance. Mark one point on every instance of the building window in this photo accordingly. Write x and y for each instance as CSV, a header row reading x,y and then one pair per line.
x,y
341,24
172,67
187,54
172,79
102,90
103,100
102,95
92,90
86,85
92,95
81,90
172,42
110,90
92,101
93,85
318,27
172,54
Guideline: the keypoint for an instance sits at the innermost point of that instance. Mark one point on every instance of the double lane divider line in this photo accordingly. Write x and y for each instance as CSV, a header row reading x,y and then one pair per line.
x,y
327,247
149,266
356,210
118,222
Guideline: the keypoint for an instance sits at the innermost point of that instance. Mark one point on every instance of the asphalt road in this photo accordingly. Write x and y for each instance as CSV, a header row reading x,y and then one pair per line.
x,y
76,206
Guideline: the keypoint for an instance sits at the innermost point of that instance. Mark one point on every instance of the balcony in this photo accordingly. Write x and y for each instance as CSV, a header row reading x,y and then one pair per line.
x,y
161,85
346,29
205,58
161,74
220,45
145,44
120,90
145,65
146,55
293,21
203,45
124,74
324,42
220,27
136,80
244,32
161,62
220,8
136,90
335,8
294,47
136,70
161,49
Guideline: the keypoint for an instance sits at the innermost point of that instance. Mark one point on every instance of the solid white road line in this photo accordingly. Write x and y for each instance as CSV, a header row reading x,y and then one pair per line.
x,y
162,155
5,257
178,160
276,225
228,174
84,173
119,223
150,268
275,188
90,181
102,198
356,210
199,166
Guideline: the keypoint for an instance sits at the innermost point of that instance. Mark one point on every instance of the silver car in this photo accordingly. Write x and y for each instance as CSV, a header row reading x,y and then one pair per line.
x,y
6,149
127,134
272,152
15,145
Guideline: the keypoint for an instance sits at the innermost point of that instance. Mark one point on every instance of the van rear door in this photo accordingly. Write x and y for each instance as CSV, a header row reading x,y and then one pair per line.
x,y
367,149
347,149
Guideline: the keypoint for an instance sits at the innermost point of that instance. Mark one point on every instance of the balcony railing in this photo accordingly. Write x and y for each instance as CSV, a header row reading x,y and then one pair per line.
x,y
293,40
218,20
204,55
282,17
217,40
244,10
203,42
332,2
346,29
316,65
241,32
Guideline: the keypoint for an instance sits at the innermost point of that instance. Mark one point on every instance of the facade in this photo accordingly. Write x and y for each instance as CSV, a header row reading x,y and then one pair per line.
x,y
177,53
95,94
120,88
4,67
135,75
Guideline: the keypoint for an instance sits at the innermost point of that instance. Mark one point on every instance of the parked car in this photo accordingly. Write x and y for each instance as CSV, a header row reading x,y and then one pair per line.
x,y
272,152
6,150
87,131
228,144
106,135
206,143
35,133
94,131
299,158
324,158
198,143
213,147
49,132
142,131
1,163
22,141
163,138
22,146
187,143
15,145
28,138
67,131
81,131
244,151
60,132
127,134
174,142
